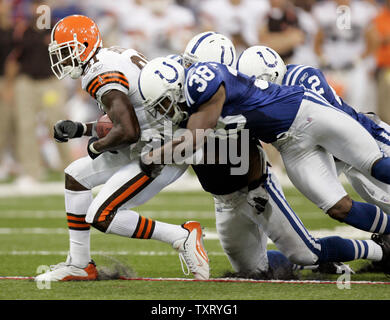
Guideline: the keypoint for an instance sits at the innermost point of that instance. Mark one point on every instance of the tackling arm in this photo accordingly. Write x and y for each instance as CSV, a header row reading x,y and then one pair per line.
x,y
205,118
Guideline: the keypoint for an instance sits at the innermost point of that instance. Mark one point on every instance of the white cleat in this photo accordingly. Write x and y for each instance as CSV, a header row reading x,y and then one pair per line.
x,y
66,272
192,251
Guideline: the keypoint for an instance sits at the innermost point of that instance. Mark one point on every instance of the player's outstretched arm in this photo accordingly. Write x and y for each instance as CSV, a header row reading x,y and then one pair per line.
x,y
205,118
125,130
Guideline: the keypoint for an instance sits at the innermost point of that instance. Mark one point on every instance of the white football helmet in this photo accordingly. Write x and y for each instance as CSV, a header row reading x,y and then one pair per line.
x,y
209,47
161,79
262,62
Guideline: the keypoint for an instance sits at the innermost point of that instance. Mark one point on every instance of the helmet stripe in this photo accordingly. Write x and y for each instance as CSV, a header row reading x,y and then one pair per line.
x,y
223,55
200,40
139,86
231,51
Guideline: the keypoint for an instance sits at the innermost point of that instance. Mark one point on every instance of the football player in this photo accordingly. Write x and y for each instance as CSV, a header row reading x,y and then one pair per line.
x,y
218,96
110,75
240,237
242,240
266,64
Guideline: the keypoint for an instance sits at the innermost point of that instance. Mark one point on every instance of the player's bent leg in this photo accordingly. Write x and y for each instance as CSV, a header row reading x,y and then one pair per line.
x,y
297,243
285,229
348,141
363,216
80,177
129,187
241,238
370,189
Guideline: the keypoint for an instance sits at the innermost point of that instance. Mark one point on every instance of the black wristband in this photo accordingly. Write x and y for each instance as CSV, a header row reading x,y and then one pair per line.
x,y
90,153
80,130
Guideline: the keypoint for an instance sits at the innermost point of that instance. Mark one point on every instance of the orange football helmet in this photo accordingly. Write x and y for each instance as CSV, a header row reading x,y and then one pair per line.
x,y
74,41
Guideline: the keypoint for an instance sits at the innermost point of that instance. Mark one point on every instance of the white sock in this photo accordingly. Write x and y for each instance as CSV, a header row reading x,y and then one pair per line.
x,y
375,251
168,233
76,206
130,224
124,223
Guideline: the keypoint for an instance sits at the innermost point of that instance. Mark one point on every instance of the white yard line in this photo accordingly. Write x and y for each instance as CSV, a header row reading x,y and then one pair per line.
x,y
60,214
344,232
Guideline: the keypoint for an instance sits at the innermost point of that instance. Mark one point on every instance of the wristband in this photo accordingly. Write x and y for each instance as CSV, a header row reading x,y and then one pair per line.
x,y
92,149
81,129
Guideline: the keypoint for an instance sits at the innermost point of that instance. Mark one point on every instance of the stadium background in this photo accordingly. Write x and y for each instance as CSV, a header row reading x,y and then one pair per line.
x,y
33,229
352,46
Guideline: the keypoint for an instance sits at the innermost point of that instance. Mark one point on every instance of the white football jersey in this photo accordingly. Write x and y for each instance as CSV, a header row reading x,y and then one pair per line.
x,y
116,68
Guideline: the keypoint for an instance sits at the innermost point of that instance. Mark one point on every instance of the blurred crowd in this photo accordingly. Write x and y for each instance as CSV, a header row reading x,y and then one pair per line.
x,y
348,39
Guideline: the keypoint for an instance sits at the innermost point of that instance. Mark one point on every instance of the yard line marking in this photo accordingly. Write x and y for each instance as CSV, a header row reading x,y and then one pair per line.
x,y
102,253
60,214
344,232
225,280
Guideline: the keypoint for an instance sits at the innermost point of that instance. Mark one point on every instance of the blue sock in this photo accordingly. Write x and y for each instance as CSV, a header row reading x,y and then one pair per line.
x,y
277,260
337,249
367,217
381,170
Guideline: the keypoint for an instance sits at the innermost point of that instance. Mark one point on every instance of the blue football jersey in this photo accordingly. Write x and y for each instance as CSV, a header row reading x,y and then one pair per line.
x,y
313,79
266,109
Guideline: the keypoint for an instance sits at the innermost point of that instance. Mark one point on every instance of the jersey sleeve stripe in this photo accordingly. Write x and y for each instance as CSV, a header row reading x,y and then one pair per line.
x,y
103,75
104,78
298,73
290,75
108,81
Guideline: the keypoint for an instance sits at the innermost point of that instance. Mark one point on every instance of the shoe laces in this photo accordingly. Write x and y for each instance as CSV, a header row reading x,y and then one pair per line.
x,y
58,266
183,263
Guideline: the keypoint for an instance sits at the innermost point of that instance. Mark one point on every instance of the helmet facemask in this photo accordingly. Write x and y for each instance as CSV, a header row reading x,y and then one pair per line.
x,y
189,59
270,77
65,58
167,107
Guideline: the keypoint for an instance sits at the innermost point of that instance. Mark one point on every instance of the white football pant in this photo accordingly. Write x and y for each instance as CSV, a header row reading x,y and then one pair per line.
x,y
318,132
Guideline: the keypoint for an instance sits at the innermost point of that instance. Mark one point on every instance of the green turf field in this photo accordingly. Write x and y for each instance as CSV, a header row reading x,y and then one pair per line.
x,y
33,233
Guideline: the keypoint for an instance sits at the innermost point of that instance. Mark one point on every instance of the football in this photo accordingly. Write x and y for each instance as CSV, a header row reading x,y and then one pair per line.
x,y
103,126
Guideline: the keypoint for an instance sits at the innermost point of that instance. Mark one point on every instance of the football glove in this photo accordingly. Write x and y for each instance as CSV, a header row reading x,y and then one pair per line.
x,y
257,196
68,129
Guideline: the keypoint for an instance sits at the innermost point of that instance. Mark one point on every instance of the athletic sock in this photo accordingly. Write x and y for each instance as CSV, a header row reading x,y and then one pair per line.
x,y
76,206
381,170
278,260
368,217
337,249
130,224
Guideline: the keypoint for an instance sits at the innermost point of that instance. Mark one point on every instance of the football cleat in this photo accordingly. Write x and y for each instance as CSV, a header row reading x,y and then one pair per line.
x,y
192,252
384,242
333,268
67,272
